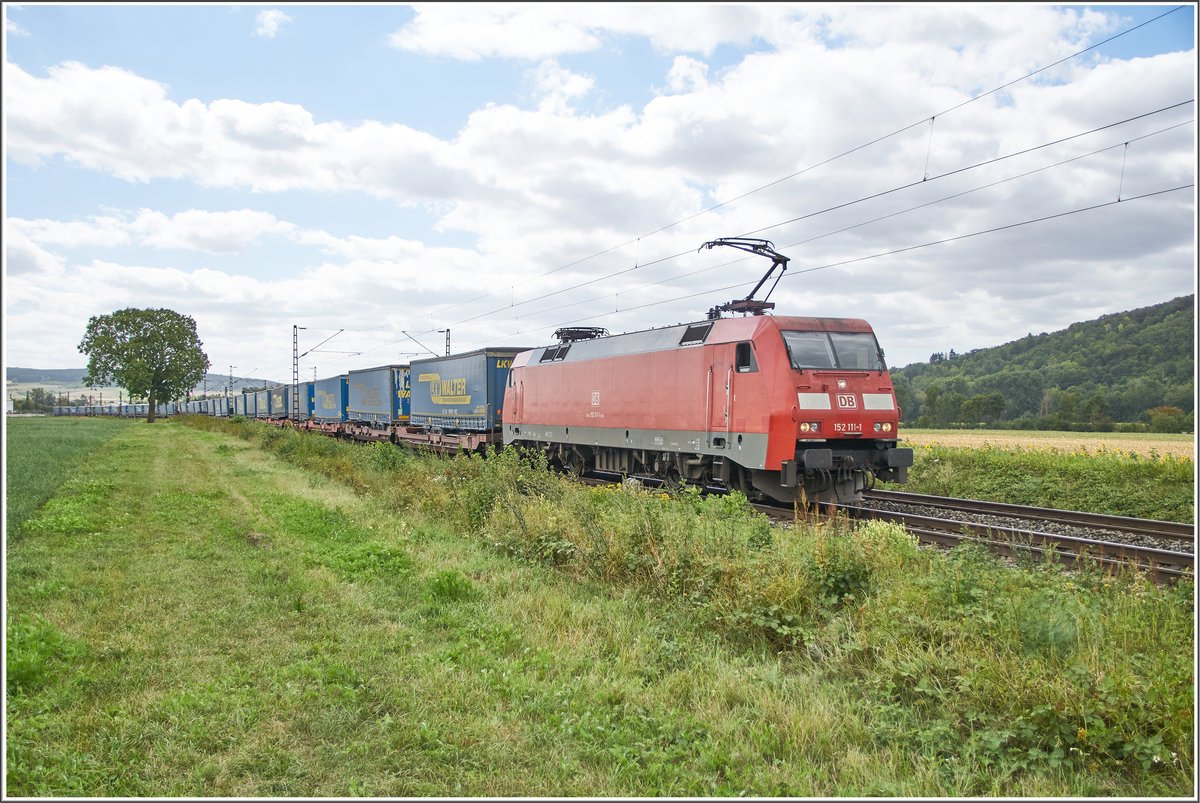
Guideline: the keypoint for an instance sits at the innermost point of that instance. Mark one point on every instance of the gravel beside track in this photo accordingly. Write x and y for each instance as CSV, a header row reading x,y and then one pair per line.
x,y
1038,525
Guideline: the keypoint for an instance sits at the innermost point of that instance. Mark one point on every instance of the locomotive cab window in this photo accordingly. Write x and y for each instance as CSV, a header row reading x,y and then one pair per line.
x,y
809,350
849,351
744,359
857,351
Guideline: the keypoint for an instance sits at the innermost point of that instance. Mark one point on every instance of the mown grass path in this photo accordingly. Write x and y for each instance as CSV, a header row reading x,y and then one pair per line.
x,y
190,617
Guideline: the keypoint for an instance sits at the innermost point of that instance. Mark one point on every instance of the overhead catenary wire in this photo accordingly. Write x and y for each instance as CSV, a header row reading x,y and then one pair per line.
x,y
956,171
796,272
824,162
930,203
873,196
989,185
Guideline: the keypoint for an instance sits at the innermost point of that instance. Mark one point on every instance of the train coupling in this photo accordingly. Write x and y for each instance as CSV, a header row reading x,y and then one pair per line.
x,y
808,460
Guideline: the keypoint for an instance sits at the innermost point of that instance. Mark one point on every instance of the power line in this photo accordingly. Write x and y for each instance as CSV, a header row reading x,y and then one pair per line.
x,y
322,343
793,273
875,141
836,207
689,274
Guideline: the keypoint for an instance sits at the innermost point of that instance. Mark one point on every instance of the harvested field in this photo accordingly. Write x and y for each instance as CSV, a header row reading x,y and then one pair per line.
x,y
1143,445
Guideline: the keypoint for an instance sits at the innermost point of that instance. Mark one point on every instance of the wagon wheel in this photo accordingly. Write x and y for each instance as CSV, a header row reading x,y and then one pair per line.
x,y
573,462
672,479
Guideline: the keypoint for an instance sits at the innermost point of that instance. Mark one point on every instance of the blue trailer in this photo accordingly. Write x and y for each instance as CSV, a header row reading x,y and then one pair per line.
x,y
262,404
329,399
462,392
378,396
306,400
279,402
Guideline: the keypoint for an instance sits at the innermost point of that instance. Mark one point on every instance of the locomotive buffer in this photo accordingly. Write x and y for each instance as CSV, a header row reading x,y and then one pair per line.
x,y
755,246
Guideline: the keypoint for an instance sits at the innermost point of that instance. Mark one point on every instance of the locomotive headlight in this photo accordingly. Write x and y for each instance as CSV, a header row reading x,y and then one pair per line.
x,y
810,426
805,427
883,426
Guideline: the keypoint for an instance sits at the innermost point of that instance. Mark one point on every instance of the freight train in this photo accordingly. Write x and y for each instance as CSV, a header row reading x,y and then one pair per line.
x,y
777,407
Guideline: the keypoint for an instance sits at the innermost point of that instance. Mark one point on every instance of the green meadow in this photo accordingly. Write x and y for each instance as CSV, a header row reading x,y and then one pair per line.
x,y
207,607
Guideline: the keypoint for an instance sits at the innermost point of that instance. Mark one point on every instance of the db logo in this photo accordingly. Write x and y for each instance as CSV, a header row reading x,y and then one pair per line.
x,y
846,401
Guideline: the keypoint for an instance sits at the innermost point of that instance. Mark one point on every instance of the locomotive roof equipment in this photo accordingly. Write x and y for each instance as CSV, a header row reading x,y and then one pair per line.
x,y
570,334
755,246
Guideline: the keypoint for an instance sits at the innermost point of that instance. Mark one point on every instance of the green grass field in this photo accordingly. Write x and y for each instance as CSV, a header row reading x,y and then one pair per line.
x,y
42,453
217,608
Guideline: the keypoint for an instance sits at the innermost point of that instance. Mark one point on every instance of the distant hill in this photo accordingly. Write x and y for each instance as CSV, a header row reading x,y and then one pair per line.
x,y
61,380
54,376
1116,368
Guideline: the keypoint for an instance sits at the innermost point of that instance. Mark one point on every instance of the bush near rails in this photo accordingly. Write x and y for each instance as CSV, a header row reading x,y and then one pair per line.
x,y
947,654
1029,669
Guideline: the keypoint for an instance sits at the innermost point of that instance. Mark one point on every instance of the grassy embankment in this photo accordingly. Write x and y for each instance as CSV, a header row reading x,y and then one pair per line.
x,y
284,615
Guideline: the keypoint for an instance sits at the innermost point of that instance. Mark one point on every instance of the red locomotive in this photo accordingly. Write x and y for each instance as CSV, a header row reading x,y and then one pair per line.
x,y
772,406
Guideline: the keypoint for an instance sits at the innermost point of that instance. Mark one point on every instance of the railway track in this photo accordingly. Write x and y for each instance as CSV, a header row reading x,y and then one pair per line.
x,y
1165,550
1185,534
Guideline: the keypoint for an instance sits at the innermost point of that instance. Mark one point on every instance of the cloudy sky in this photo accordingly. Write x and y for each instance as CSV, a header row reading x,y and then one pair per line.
x,y
958,175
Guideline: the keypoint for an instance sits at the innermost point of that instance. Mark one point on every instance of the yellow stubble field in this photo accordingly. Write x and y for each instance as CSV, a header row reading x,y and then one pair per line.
x,y
1142,444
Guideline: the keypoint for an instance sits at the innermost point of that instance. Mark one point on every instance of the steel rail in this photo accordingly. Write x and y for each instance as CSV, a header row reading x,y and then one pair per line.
x,y
1010,541
1124,524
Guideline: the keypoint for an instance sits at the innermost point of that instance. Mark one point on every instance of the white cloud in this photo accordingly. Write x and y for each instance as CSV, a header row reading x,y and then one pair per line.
x,y
192,230
474,31
557,86
104,231
471,31
687,75
268,23
111,120
212,232
23,256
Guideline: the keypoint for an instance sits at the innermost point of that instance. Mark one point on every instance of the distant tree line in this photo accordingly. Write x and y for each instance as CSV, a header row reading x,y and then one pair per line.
x,y
40,400
1131,371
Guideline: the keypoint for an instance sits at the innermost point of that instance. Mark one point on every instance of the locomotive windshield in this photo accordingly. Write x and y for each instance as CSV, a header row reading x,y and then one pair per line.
x,y
848,351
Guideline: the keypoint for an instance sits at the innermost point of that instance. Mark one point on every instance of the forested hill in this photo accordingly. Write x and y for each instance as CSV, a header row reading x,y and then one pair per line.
x,y
1108,373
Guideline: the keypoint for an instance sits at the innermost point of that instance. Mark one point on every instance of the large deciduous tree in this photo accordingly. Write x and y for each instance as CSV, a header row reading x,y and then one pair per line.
x,y
154,353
